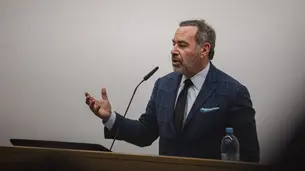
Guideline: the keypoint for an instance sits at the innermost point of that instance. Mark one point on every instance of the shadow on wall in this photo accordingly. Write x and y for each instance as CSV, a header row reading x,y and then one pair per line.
x,y
292,155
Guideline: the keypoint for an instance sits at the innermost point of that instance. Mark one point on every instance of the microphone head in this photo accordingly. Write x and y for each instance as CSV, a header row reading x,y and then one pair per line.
x,y
150,73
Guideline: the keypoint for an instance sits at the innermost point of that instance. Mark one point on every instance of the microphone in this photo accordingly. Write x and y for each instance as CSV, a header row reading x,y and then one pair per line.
x,y
150,74
144,79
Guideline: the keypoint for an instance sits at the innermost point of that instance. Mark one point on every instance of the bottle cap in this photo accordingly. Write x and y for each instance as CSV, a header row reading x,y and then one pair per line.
x,y
229,130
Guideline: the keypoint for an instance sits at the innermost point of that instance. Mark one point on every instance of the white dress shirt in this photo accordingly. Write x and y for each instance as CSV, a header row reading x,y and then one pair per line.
x,y
193,91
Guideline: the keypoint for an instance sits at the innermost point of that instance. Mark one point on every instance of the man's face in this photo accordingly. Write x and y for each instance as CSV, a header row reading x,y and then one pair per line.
x,y
185,52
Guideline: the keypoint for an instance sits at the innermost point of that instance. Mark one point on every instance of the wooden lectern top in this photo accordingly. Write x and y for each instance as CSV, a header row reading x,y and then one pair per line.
x,y
27,158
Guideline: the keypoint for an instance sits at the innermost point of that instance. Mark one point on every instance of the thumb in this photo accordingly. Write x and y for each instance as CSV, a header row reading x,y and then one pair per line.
x,y
104,94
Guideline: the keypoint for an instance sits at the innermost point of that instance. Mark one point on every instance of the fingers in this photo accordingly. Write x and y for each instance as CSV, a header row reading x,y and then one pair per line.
x,y
88,98
104,94
94,107
93,104
86,94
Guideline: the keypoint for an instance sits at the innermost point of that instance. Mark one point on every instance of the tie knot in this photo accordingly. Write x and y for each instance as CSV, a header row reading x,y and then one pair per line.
x,y
188,83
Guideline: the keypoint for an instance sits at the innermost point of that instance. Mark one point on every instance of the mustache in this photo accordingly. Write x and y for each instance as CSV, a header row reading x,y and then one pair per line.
x,y
175,57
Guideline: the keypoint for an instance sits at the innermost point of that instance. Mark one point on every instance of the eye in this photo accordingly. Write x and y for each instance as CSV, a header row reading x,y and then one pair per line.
x,y
182,45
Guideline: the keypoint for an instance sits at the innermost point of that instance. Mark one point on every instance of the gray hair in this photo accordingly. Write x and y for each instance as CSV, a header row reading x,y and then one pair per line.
x,y
205,34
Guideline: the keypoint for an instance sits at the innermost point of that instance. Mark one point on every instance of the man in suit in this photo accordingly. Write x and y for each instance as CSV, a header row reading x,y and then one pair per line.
x,y
189,108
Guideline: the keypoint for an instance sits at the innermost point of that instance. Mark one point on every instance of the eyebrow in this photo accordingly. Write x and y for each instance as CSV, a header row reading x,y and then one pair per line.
x,y
180,41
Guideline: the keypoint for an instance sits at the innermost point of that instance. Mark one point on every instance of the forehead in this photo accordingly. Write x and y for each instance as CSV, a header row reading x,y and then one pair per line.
x,y
186,33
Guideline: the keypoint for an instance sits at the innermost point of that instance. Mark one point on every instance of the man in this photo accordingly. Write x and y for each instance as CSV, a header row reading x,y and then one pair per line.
x,y
189,108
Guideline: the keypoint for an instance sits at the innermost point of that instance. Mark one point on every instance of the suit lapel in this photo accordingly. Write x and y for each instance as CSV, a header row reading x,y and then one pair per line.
x,y
173,84
208,87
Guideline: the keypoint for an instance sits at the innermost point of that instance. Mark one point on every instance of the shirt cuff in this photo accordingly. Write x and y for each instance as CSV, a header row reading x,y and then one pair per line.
x,y
110,122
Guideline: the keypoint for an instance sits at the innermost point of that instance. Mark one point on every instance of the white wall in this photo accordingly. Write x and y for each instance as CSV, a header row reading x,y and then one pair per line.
x,y
53,51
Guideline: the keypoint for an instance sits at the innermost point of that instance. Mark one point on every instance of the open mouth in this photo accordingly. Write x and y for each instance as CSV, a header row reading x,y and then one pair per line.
x,y
176,63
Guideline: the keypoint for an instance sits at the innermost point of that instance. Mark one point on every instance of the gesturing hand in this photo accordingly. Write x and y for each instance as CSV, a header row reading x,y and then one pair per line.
x,y
101,108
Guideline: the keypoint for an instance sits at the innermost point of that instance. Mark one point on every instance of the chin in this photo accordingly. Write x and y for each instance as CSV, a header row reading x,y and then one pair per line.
x,y
177,69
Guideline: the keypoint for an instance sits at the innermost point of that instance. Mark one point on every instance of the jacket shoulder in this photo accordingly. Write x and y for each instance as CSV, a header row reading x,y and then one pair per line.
x,y
224,78
230,85
164,79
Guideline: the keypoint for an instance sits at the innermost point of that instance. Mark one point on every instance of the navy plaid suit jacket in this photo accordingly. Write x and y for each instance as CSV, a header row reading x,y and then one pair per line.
x,y
202,132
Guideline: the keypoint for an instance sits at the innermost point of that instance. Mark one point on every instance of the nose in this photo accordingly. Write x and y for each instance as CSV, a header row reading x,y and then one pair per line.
x,y
174,50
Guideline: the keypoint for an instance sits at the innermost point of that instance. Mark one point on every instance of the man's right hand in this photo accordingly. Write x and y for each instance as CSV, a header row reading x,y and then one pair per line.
x,y
101,108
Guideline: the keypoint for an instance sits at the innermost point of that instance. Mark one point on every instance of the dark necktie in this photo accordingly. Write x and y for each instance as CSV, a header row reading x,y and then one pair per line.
x,y
180,105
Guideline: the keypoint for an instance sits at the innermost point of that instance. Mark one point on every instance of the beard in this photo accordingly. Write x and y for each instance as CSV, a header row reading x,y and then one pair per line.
x,y
186,66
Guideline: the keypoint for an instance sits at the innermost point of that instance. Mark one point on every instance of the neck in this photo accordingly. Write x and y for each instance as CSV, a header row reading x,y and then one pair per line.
x,y
201,66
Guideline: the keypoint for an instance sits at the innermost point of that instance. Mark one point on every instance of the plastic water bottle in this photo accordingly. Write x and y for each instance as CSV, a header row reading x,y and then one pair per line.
x,y
229,146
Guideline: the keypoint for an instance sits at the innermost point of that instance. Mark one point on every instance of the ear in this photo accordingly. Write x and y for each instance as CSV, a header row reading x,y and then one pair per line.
x,y
205,50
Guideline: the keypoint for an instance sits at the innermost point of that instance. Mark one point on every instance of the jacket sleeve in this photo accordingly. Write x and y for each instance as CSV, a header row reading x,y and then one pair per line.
x,y
242,119
142,132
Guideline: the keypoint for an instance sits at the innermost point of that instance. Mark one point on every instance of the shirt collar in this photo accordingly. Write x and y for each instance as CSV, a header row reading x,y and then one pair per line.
x,y
197,79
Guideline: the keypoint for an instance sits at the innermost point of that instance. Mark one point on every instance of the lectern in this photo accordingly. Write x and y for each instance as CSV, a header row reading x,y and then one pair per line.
x,y
33,158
